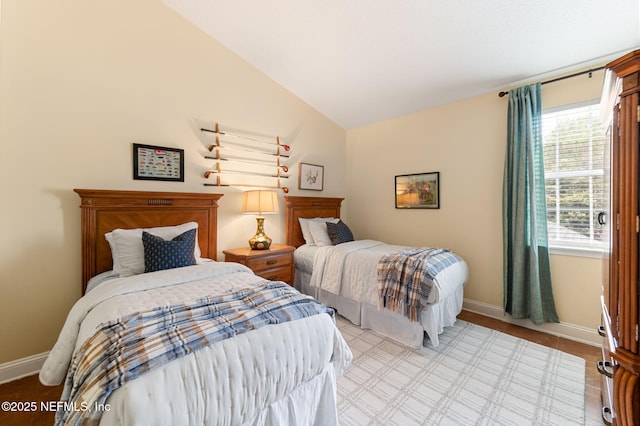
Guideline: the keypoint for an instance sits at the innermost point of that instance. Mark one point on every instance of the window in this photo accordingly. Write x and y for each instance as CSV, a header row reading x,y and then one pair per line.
x,y
574,145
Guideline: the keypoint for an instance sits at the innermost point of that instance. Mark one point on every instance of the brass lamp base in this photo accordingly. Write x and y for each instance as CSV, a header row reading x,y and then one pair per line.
x,y
260,241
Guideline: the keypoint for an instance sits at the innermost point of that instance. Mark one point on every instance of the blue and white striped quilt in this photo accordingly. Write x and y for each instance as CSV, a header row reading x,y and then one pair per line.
x,y
405,279
123,349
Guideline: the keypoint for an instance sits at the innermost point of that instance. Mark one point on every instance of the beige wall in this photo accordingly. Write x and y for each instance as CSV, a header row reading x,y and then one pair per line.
x,y
464,141
80,80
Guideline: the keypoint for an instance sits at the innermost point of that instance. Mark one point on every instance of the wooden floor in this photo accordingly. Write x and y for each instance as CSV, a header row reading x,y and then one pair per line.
x,y
29,388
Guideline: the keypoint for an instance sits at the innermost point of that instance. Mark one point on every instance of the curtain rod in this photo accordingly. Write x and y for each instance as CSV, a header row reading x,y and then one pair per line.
x,y
590,72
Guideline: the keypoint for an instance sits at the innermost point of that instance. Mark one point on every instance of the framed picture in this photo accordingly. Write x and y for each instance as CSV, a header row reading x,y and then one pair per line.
x,y
158,163
311,177
418,191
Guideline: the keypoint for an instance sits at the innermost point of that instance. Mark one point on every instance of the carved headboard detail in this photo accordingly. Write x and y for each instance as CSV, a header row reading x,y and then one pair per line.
x,y
106,210
307,207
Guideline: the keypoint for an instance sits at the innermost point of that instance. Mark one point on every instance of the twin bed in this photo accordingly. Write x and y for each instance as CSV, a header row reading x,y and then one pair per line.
x,y
161,350
281,373
344,277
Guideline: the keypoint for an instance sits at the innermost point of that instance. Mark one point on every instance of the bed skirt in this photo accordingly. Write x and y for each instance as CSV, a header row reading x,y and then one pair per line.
x,y
434,317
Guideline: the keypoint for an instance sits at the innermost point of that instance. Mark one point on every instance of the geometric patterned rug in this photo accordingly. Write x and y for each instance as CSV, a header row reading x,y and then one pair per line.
x,y
476,376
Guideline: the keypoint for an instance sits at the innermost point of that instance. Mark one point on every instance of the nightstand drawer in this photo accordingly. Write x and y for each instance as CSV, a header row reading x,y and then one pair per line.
x,y
276,263
269,262
278,274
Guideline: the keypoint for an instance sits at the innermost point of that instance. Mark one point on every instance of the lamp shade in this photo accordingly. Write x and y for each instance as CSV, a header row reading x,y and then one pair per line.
x,y
260,202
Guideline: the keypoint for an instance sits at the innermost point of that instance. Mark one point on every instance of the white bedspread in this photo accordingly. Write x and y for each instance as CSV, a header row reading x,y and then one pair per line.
x,y
259,377
349,270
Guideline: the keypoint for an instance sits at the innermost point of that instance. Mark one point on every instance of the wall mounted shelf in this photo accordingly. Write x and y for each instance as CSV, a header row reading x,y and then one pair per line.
x,y
246,160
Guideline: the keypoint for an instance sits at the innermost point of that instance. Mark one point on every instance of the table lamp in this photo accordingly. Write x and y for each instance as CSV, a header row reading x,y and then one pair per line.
x,y
260,202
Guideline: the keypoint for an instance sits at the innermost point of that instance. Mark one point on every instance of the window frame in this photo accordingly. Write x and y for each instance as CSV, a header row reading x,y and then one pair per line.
x,y
568,248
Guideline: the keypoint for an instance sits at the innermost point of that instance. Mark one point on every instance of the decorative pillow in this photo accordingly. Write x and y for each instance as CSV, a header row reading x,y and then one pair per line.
x,y
319,232
161,254
127,250
339,232
306,231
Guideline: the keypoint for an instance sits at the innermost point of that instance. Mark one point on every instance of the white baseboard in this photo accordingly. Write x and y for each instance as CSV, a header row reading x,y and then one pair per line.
x,y
566,330
14,370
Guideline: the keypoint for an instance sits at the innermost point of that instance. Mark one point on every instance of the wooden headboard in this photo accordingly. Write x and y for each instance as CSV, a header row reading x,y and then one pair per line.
x,y
104,211
307,207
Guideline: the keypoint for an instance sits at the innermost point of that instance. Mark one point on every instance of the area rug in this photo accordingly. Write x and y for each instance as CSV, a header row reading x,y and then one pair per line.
x,y
476,376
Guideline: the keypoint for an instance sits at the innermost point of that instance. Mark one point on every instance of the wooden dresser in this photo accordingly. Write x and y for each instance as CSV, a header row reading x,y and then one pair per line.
x,y
620,366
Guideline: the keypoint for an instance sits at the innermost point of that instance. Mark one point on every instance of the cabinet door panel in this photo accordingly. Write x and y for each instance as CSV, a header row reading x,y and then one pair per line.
x,y
622,294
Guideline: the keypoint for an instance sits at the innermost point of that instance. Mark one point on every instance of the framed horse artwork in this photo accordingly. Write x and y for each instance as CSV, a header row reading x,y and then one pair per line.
x,y
418,191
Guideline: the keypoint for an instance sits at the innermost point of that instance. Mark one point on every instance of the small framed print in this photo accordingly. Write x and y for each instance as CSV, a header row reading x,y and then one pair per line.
x,y
311,177
158,163
418,191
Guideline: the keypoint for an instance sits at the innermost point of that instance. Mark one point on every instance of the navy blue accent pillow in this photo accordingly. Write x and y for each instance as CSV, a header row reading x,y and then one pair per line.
x,y
339,232
161,254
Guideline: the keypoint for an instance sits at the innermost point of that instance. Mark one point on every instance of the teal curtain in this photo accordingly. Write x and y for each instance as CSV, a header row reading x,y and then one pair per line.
x,y
527,274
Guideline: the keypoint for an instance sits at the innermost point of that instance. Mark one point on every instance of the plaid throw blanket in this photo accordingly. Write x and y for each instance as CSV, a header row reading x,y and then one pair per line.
x,y
405,278
123,349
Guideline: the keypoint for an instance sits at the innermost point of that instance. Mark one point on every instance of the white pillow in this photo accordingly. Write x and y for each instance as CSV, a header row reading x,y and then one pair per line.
x,y
319,232
127,250
306,231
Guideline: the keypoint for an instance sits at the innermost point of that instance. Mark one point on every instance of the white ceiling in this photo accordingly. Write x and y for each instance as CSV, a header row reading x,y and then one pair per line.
x,y
363,61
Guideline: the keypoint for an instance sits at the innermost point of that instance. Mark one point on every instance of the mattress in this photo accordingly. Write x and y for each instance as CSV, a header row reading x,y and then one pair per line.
x,y
276,374
303,257
349,270
345,277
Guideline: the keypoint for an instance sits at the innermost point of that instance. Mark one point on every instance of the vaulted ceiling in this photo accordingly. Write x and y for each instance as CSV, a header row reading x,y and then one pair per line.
x,y
364,61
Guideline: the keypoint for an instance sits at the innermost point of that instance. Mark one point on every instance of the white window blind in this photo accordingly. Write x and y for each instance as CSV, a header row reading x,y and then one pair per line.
x,y
574,144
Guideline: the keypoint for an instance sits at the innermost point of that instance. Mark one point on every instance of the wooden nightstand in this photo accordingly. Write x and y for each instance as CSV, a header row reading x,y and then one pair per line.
x,y
274,264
